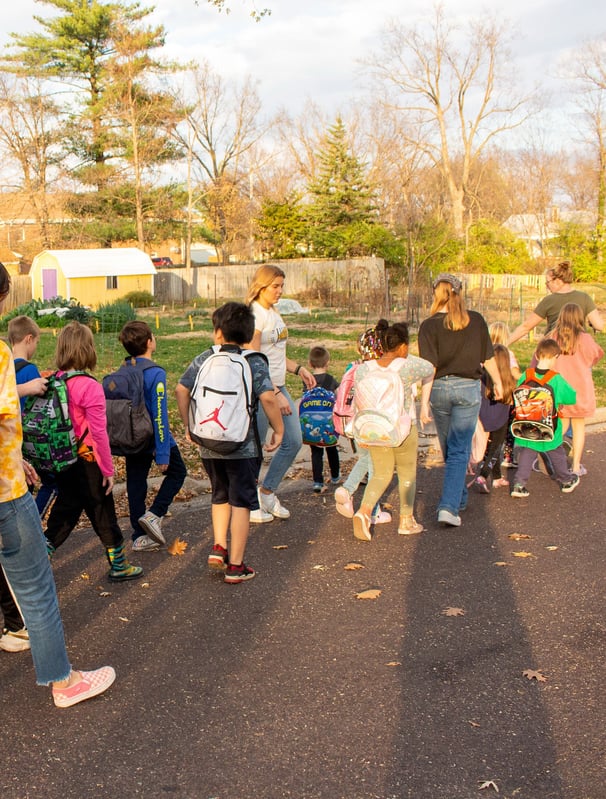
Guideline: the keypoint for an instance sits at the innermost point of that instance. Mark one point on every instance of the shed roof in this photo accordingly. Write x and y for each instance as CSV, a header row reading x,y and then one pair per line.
x,y
102,262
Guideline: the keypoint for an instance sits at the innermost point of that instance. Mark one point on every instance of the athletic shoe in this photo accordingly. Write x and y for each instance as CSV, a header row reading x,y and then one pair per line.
x,y
335,481
569,487
344,502
239,573
520,491
92,683
271,504
259,516
361,526
448,518
145,544
319,488
409,526
482,485
218,558
152,525
500,482
14,640
382,517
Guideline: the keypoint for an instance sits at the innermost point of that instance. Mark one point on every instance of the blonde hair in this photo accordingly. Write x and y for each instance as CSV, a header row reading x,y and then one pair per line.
x,y
508,381
499,333
75,348
263,277
456,316
20,327
568,328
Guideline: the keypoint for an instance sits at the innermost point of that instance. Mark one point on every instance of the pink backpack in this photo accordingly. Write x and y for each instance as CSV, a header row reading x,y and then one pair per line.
x,y
381,418
343,411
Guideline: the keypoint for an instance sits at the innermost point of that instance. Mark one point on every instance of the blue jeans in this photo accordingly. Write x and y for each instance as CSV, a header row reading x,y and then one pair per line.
x,y
24,558
289,448
137,470
455,405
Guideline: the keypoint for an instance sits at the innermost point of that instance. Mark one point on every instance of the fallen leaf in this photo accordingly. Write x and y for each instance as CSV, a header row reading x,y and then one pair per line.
x,y
393,663
473,723
280,546
105,593
387,506
85,576
488,784
453,612
319,568
534,675
123,618
551,549
144,585
353,566
523,555
177,547
370,593
519,537
501,563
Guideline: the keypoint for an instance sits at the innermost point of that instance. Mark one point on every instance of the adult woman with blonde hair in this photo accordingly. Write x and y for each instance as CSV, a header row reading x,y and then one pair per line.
x,y
558,280
456,341
270,338
579,353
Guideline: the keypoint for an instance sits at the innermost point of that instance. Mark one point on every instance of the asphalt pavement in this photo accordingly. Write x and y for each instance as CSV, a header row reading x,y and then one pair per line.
x,y
478,670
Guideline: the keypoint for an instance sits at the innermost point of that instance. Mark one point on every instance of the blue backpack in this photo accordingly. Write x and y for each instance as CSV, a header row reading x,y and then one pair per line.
x,y
316,417
129,425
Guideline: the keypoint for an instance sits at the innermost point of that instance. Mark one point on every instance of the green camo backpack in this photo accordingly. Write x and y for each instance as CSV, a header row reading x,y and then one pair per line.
x,y
49,440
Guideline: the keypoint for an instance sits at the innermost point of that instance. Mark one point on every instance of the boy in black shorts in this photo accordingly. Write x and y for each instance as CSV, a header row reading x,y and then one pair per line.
x,y
233,476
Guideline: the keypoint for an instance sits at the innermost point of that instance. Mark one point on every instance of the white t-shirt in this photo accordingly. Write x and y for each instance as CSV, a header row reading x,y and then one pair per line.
x,y
274,335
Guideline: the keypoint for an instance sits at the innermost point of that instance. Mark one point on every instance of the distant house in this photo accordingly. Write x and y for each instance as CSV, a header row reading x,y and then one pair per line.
x,y
91,276
537,229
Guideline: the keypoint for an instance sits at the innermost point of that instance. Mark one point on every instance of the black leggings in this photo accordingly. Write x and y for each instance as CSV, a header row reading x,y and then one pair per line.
x,y
496,440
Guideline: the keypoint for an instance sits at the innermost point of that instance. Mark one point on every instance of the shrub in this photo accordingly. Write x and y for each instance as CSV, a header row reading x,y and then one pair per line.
x,y
112,316
67,310
140,299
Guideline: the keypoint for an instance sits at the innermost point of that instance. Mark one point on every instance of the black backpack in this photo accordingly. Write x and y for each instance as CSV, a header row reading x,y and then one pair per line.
x,y
129,425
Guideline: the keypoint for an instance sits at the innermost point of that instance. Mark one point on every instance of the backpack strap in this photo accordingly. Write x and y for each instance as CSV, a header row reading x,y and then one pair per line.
x,y
67,376
540,379
21,365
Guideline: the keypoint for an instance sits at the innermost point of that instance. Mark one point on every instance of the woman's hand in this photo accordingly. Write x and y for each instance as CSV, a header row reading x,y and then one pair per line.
x,y
307,377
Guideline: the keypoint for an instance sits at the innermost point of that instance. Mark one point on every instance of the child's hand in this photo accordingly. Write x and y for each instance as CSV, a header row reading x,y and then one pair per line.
x,y
283,404
108,484
162,467
31,475
425,416
36,387
274,443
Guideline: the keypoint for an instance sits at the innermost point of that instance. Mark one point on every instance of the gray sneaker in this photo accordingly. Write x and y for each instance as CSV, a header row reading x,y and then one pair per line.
x,y
145,544
152,525
271,504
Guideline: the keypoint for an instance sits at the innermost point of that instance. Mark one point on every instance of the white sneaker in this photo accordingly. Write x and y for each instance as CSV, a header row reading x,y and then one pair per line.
x,y
271,504
446,517
260,517
145,544
152,525
17,641
382,517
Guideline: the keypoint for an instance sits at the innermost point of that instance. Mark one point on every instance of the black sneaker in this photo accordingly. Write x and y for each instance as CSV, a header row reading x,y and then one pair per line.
x,y
239,573
569,487
520,491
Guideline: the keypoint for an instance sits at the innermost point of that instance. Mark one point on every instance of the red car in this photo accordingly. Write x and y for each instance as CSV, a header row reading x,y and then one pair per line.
x,y
162,260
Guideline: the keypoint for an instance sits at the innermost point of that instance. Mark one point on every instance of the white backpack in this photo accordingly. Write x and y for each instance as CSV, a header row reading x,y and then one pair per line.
x,y
221,406
381,418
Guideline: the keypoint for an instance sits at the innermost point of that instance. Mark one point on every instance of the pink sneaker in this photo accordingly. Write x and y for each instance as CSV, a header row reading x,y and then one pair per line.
x,y
501,482
382,517
344,502
92,683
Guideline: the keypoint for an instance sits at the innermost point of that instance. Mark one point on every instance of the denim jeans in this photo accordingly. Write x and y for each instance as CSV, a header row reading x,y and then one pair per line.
x,y
137,470
24,558
455,405
288,450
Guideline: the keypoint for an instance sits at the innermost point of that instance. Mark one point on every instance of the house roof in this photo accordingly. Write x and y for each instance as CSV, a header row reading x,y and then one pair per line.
x,y
102,262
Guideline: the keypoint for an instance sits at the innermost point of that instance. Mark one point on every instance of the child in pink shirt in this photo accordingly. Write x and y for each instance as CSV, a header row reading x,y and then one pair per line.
x,y
87,485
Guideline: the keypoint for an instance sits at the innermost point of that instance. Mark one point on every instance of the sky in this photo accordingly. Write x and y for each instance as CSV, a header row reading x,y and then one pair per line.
x,y
310,49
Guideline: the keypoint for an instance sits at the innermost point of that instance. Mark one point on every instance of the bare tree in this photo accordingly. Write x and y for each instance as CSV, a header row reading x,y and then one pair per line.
x,y
451,93
588,71
29,138
221,125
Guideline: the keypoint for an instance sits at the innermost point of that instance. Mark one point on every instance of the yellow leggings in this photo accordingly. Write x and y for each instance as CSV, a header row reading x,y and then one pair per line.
x,y
384,460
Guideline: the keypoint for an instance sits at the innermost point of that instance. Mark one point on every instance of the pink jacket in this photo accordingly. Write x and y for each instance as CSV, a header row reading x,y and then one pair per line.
x,y
86,402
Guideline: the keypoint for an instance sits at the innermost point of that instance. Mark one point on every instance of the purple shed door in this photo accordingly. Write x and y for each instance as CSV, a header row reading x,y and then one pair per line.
x,y
49,284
